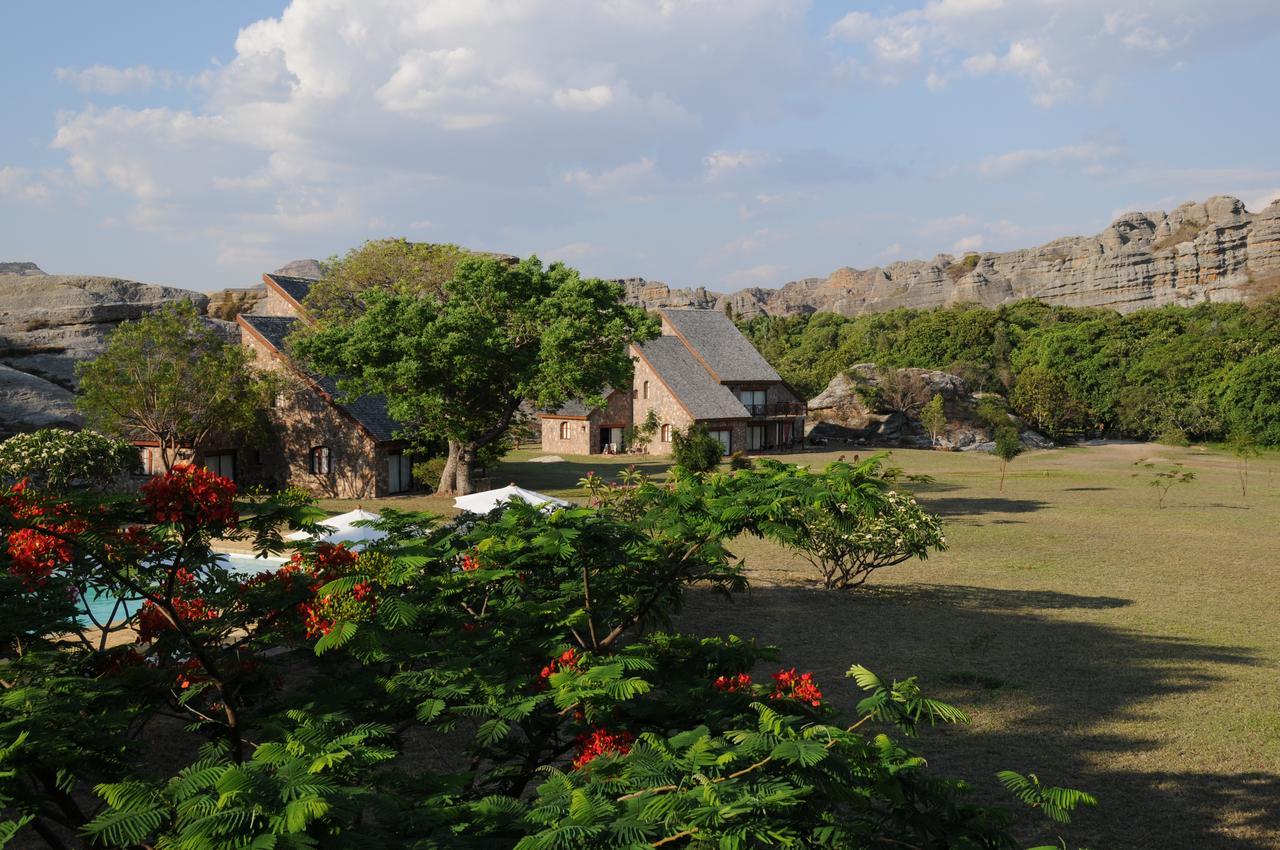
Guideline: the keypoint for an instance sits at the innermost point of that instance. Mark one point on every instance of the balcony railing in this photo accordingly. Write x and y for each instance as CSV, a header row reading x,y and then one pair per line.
x,y
777,408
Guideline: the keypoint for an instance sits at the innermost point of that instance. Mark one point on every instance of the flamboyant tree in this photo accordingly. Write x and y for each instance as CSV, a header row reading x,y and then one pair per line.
x,y
520,647
170,377
456,364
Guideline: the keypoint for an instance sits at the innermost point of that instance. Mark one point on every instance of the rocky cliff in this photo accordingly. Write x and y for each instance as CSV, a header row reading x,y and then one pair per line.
x,y
50,322
1211,251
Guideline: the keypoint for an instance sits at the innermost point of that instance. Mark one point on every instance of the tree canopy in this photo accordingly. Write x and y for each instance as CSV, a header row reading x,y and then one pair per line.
x,y
170,377
456,364
395,266
1181,372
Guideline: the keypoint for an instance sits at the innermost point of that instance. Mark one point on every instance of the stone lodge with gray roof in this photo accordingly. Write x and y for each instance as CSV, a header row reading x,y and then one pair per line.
x,y
336,449
700,370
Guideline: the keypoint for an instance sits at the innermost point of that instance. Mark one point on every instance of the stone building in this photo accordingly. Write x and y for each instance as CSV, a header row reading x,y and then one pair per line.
x,y
331,449
700,370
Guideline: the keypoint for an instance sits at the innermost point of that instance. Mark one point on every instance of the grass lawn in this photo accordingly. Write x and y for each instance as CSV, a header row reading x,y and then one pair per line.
x,y
1095,639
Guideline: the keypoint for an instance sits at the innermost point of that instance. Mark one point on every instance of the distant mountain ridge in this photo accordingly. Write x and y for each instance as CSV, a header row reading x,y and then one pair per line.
x,y
1211,251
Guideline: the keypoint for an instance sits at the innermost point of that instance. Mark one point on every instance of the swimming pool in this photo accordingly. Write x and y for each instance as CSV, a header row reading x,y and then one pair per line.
x,y
103,606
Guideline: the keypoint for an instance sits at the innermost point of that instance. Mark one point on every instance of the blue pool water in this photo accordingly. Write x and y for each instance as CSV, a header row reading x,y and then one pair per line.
x,y
102,607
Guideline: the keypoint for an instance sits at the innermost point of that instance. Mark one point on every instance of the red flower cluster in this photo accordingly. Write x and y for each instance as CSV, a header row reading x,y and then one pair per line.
x,y
568,660
36,553
324,564
601,742
152,622
787,684
191,496
470,563
733,684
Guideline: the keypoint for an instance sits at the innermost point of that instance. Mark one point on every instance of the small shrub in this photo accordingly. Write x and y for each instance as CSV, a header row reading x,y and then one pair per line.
x,y
740,460
695,450
58,459
427,472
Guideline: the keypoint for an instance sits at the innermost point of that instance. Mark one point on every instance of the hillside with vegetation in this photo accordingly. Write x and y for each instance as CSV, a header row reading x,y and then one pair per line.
x,y
1207,372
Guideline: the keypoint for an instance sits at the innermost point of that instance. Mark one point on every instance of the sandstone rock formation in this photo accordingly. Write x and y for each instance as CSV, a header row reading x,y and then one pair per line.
x,y
47,324
1211,251
870,406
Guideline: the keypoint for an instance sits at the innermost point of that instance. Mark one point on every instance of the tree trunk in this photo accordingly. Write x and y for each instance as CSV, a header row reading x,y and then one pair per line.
x,y
1004,467
449,477
466,469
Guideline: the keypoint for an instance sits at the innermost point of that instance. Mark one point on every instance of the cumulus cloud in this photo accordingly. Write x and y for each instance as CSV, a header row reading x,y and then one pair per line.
x,y
1061,50
339,114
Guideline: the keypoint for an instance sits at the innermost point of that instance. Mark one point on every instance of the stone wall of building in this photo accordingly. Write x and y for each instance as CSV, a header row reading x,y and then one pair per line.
x,y
301,420
274,304
661,401
580,434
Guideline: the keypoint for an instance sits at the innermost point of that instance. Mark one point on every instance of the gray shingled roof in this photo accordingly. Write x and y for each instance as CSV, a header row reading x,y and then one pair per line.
x,y
719,342
296,287
577,407
690,381
370,411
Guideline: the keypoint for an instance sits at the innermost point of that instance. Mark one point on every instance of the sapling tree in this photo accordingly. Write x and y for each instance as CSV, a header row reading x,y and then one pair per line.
x,y
934,417
1164,477
1008,445
1245,448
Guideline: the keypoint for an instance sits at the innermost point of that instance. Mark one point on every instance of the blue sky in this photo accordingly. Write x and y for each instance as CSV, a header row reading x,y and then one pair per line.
x,y
724,143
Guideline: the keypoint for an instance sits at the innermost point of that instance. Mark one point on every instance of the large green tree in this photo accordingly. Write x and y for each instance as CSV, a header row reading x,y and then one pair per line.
x,y
396,266
456,364
170,377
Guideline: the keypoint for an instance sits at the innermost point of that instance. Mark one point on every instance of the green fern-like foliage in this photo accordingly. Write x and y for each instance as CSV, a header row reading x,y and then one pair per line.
x,y
1056,803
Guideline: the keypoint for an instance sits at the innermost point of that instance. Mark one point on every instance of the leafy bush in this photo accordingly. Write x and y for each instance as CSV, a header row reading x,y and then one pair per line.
x,y
739,460
695,450
57,459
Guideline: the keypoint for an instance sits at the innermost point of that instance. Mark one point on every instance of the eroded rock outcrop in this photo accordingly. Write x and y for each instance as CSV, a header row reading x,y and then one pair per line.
x,y
50,322
871,406
1211,251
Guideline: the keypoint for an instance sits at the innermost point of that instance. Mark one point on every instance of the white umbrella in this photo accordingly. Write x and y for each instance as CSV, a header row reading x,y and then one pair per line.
x,y
345,530
482,503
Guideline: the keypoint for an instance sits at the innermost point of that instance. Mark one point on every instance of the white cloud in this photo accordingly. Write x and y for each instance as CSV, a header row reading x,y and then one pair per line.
x,y
625,176
1262,200
575,252
337,114
765,274
969,243
1063,50
893,251
583,100
722,163
18,184
105,79
1089,157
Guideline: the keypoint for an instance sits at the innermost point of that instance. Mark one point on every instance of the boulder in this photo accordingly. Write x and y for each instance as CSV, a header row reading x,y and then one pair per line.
x,y
48,323
867,405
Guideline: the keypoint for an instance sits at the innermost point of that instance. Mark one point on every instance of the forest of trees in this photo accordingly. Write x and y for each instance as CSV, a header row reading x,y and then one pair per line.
x,y
1207,372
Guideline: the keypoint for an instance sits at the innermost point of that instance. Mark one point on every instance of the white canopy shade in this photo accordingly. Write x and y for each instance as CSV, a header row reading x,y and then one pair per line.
x,y
482,503
345,530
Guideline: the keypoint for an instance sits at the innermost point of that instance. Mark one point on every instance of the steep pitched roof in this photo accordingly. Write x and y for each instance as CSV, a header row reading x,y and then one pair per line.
x,y
295,287
576,408
369,411
689,380
719,344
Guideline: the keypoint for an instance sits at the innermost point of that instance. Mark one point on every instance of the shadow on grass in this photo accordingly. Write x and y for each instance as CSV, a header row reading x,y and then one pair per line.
x,y
956,506
1086,489
1063,698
